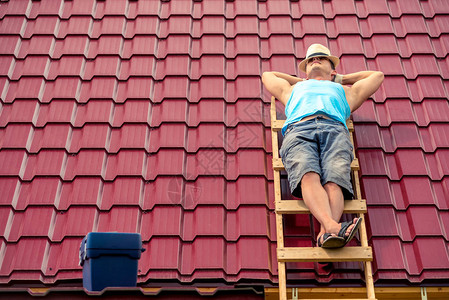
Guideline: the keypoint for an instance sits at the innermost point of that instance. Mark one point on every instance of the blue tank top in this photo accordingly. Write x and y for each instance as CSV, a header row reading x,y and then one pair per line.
x,y
312,97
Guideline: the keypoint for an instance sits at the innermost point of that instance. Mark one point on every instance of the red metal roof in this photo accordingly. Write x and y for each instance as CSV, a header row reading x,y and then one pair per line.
x,y
150,117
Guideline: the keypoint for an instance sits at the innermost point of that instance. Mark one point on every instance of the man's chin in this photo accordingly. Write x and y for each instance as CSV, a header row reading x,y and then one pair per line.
x,y
316,71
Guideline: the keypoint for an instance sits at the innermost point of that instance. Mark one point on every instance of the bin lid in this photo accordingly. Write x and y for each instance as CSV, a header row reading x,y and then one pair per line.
x,y
113,241
96,244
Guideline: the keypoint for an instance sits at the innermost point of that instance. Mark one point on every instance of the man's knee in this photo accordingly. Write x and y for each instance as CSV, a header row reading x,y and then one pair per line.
x,y
332,187
310,177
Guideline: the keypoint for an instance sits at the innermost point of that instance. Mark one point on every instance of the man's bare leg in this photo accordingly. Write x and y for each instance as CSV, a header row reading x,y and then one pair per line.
x,y
317,200
336,203
325,203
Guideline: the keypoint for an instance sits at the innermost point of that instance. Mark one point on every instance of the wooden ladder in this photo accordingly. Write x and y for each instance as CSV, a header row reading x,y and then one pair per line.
x,y
316,254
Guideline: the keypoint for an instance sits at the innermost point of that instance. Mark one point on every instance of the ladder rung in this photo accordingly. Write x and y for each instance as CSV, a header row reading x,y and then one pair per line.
x,y
276,125
299,207
317,254
338,298
279,166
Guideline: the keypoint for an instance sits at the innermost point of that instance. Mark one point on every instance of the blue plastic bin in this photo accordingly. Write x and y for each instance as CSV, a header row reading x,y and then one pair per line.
x,y
109,259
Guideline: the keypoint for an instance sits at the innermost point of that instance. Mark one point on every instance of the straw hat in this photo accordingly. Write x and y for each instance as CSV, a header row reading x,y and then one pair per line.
x,y
318,50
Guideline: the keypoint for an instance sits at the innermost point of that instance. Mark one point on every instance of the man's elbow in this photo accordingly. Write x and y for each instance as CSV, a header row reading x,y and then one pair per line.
x,y
265,76
380,76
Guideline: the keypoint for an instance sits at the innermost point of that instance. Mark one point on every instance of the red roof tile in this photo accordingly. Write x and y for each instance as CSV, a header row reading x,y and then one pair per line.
x,y
175,25
341,25
426,249
395,87
74,25
125,163
394,258
241,44
139,45
162,222
23,224
89,136
104,45
71,45
129,136
440,45
101,66
381,44
8,187
171,66
39,191
242,65
36,45
110,25
84,163
346,7
110,220
15,136
5,213
275,25
204,221
136,66
161,261
121,191
276,44
66,66
208,87
80,191
208,65
240,25
403,136
170,87
45,163
164,162
56,111
44,25
12,25
9,44
141,25
266,9
193,256
95,111
78,8
280,62
61,88
134,88
52,136
45,8
5,63
19,257
205,136
17,9
437,25
11,162
58,264
132,111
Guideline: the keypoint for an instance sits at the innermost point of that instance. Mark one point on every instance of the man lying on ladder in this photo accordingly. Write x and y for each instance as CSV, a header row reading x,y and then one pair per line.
x,y
316,150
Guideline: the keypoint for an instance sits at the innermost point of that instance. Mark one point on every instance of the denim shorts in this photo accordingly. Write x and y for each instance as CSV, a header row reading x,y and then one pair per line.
x,y
318,145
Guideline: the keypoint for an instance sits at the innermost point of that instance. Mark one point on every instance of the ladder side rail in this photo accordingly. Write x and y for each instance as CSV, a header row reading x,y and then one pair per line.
x,y
369,280
282,276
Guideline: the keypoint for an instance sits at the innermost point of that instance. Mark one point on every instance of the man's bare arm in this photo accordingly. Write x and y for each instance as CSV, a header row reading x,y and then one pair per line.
x,y
291,79
364,84
354,77
279,84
